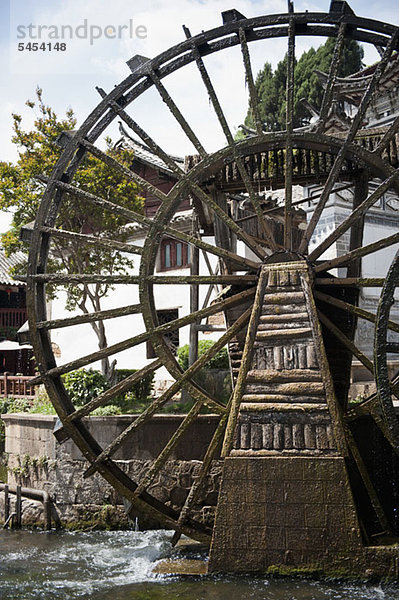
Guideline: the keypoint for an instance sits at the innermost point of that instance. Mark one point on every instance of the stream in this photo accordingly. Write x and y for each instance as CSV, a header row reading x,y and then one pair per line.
x,y
118,565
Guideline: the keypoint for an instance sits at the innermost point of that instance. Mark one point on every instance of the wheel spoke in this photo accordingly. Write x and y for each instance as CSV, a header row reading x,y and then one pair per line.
x,y
389,135
346,342
329,91
175,387
177,113
134,279
358,253
354,216
289,129
230,140
71,236
240,233
171,231
245,364
206,464
357,121
163,456
135,127
117,166
143,337
100,315
350,281
253,94
355,310
119,388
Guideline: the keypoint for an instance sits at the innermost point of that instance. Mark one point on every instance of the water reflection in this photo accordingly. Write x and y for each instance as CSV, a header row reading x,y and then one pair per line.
x,y
118,565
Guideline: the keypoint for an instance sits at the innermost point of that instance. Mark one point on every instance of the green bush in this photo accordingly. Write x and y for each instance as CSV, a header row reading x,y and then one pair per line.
x,y
84,385
141,390
219,361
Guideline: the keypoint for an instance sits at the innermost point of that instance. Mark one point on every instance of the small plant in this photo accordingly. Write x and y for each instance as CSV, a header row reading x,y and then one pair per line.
x,y
105,411
219,361
84,385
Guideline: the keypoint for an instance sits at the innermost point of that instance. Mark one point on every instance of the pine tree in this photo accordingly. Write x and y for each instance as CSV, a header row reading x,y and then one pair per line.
x,y
271,85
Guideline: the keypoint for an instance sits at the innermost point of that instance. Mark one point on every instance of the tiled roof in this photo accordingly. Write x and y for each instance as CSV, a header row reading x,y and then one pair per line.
x,y
6,263
143,152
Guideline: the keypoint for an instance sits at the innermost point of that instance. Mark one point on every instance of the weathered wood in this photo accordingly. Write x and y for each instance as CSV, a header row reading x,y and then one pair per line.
x,y
320,358
176,113
294,375
346,341
288,389
127,173
270,396
356,310
388,136
165,453
354,216
120,388
350,281
289,129
135,279
355,254
283,333
172,390
356,123
100,315
135,127
72,236
142,337
245,364
377,506
253,94
332,76
282,318
194,306
206,465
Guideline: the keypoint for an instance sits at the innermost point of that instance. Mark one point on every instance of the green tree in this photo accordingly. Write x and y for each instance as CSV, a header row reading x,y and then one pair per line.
x,y
271,85
21,190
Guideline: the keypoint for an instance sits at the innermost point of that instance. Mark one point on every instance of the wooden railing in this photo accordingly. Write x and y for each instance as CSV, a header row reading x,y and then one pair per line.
x,y
16,386
12,318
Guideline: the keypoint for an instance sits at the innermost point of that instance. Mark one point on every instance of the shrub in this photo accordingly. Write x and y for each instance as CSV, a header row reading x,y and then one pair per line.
x,y
84,385
219,361
141,390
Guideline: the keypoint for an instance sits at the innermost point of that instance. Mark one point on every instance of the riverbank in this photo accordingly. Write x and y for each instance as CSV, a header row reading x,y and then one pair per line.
x,y
36,460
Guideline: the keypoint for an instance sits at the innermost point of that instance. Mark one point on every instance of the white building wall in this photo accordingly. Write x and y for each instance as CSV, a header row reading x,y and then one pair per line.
x,y
81,340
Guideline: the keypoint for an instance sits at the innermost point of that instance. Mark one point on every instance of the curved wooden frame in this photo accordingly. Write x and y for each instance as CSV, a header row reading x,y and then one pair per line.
x,y
151,73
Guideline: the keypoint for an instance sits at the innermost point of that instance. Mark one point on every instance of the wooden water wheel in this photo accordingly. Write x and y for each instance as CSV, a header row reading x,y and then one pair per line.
x,y
278,295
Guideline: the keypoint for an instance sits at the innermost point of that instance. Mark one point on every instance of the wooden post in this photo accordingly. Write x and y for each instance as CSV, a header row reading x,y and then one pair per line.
x,y
18,508
194,301
6,504
6,384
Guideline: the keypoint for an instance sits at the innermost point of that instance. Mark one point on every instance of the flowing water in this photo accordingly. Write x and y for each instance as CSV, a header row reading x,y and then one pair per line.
x,y
118,566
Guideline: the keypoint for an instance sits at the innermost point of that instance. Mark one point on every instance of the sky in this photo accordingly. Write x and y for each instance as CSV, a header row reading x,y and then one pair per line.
x,y
100,36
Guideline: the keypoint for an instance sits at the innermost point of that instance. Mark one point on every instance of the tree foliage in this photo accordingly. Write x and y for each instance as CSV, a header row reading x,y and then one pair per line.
x,y
271,86
21,191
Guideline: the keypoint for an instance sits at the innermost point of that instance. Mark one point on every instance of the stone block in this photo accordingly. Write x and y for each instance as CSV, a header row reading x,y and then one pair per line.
x,y
275,538
303,491
315,515
274,492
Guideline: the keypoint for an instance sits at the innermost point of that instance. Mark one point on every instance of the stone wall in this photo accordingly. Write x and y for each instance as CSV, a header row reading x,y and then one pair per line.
x,y
36,460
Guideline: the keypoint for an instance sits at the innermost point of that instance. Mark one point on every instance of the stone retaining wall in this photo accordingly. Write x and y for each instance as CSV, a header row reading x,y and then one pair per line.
x,y
36,460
